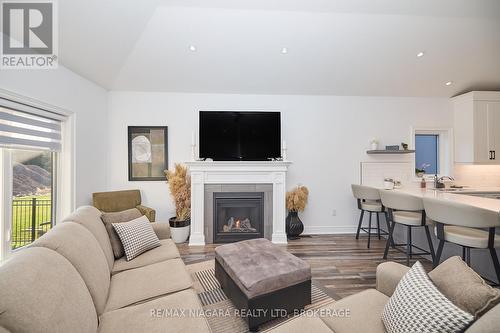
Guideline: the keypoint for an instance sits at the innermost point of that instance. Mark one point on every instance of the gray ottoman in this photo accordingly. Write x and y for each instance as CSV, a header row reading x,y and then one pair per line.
x,y
262,279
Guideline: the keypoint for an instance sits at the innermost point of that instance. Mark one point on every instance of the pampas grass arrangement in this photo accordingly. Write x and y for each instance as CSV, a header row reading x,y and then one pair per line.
x,y
179,183
296,200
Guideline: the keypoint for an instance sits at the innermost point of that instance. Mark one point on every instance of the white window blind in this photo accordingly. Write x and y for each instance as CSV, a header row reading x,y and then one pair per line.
x,y
22,126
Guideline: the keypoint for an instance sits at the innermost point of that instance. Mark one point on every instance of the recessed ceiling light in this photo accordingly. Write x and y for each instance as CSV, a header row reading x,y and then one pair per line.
x,y
448,83
420,54
284,50
192,48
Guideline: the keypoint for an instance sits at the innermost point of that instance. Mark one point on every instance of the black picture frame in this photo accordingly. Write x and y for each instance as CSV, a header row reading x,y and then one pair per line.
x,y
149,170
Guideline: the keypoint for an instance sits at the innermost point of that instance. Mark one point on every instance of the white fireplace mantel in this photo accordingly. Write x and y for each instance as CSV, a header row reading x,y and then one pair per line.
x,y
265,172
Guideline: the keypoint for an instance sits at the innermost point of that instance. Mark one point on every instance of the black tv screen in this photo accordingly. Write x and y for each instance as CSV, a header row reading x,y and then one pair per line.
x,y
240,136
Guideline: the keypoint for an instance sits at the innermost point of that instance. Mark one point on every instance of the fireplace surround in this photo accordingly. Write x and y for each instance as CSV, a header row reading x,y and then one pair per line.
x,y
205,174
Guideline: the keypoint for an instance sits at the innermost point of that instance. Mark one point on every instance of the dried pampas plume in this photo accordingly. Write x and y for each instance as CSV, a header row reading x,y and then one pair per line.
x,y
179,183
296,200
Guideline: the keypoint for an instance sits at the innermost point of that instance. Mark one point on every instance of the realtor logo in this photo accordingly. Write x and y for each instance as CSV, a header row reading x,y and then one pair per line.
x,y
29,35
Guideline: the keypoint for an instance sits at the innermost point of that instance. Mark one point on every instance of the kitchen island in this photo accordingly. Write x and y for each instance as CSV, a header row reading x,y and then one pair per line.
x,y
469,196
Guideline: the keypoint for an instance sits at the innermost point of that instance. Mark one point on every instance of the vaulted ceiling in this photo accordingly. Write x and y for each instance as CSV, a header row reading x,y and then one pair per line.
x,y
334,47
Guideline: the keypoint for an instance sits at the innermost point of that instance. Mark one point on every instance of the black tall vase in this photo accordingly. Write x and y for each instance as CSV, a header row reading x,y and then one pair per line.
x,y
294,226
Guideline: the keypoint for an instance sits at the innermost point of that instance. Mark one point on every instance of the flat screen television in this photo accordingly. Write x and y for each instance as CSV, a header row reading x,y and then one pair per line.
x,y
240,136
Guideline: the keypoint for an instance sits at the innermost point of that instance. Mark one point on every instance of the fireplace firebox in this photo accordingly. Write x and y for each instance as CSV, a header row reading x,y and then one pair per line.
x,y
238,216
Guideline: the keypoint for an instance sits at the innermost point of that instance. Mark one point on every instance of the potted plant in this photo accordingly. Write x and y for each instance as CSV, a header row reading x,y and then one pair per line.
x,y
374,144
420,172
179,183
296,201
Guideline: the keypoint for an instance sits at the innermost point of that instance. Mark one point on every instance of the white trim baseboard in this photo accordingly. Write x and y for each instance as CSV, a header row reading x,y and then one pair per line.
x,y
329,229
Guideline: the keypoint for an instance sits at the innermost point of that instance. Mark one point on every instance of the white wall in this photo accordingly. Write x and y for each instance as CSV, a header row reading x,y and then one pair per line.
x,y
327,137
65,89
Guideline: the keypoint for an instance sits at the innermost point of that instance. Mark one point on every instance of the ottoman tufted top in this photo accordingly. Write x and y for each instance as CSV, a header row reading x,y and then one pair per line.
x,y
258,266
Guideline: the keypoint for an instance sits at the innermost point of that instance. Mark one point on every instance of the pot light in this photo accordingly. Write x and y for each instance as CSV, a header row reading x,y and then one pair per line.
x,y
192,48
420,54
284,50
448,83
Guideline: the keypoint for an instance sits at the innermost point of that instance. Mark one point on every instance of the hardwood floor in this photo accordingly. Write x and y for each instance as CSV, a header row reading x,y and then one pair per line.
x,y
340,263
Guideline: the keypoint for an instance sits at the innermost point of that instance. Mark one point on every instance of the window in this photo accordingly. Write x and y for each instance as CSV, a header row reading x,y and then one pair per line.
x,y
427,153
433,150
30,148
32,195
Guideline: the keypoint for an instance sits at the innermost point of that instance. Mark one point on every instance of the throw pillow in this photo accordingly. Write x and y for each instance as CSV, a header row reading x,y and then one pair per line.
x,y
137,236
418,306
464,287
118,217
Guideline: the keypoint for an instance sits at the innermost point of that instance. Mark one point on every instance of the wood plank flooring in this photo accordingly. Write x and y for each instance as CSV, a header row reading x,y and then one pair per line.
x,y
340,263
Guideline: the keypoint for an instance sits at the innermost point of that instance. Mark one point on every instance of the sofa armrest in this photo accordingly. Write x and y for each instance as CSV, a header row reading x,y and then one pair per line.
x,y
487,323
149,212
162,230
388,276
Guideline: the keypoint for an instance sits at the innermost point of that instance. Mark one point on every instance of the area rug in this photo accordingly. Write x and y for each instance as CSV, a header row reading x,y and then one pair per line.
x,y
214,301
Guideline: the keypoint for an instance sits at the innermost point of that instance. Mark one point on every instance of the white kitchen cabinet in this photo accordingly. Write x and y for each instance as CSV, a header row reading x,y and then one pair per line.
x,y
477,127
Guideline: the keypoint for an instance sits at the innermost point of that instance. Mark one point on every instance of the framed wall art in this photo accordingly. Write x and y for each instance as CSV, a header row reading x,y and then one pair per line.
x,y
147,153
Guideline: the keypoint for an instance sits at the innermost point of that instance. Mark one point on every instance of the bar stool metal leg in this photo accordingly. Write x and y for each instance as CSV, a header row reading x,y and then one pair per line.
x,y
378,225
360,222
496,264
438,253
389,239
429,240
369,229
389,228
408,245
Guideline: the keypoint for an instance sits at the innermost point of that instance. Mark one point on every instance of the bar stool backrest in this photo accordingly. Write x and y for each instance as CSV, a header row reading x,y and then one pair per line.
x,y
401,201
365,192
459,214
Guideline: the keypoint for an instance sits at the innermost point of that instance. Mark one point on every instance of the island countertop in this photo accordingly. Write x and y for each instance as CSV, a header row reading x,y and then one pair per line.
x,y
465,196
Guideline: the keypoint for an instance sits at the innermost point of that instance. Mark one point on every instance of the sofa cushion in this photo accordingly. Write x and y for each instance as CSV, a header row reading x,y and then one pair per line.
x,y
90,218
137,236
167,250
144,283
464,287
162,229
118,217
418,306
149,317
365,311
80,247
40,291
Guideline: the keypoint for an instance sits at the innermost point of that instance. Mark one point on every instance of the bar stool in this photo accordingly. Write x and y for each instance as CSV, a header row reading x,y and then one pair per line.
x,y
460,224
407,210
369,201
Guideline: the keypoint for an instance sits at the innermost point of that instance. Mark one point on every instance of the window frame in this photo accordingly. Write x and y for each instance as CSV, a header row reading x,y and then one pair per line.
x,y
63,163
445,149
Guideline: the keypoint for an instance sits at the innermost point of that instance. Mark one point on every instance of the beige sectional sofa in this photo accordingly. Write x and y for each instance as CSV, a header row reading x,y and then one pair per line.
x,y
69,281
365,310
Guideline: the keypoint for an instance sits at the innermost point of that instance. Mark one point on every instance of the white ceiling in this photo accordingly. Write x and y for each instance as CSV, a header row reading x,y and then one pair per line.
x,y
335,47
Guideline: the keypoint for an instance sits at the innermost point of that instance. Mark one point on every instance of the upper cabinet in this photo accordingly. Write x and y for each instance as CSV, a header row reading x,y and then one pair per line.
x,y
477,127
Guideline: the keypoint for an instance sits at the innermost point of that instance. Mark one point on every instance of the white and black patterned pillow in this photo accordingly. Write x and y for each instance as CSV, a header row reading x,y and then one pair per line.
x,y
137,236
418,306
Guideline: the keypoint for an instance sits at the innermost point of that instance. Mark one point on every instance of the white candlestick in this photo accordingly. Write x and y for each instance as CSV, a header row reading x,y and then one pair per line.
x,y
284,144
193,139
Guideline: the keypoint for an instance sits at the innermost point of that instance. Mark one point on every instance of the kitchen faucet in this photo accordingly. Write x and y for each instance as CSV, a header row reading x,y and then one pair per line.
x,y
438,182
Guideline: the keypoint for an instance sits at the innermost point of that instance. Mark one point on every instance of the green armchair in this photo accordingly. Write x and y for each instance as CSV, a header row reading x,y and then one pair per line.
x,y
117,201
